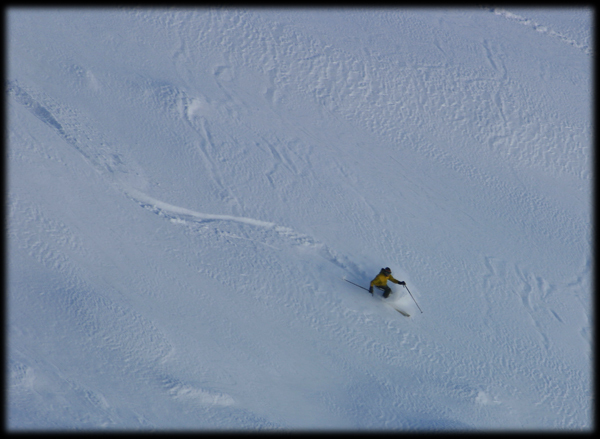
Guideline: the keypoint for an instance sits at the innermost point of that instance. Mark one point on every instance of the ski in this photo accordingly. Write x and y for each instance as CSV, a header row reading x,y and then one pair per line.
x,y
404,313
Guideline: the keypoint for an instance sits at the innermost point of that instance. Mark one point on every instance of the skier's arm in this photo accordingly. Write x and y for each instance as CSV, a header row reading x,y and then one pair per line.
x,y
396,281
371,285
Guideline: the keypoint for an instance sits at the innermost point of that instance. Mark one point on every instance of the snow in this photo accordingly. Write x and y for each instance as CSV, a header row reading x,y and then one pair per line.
x,y
188,187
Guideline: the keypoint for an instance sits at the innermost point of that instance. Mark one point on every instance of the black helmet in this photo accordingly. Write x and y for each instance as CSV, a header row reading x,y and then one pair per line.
x,y
387,270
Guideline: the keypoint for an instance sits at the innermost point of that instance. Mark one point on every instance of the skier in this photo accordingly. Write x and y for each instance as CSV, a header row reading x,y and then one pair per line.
x,y
381,279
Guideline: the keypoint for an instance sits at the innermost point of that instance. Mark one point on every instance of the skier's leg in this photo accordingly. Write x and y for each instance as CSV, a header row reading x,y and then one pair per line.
x,y
386,292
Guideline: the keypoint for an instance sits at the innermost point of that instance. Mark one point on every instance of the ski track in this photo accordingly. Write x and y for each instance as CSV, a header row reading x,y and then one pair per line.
x,y
545,30
282,235
110,163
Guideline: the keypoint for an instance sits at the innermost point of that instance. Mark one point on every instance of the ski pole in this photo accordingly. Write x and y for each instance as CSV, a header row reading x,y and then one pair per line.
x,y
413,298
356,284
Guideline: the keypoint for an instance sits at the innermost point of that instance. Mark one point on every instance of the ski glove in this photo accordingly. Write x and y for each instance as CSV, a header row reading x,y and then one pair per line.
x,y
371,290
401,283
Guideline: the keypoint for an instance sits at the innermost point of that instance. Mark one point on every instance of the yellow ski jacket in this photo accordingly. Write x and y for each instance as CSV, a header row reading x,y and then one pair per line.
x,y
381,280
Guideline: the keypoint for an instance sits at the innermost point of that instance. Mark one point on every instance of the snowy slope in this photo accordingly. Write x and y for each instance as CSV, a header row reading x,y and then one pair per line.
x,y
187,188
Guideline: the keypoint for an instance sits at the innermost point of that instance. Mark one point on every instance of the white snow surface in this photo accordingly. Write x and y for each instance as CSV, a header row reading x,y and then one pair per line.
x,y
188,187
